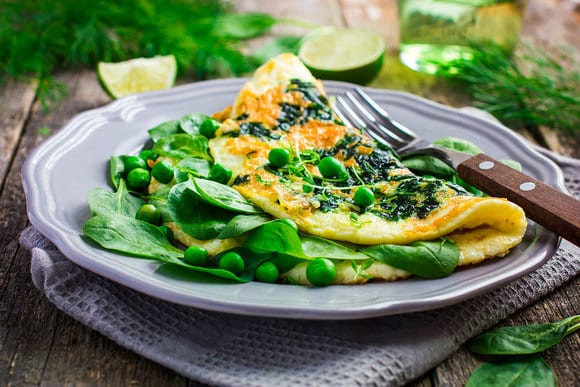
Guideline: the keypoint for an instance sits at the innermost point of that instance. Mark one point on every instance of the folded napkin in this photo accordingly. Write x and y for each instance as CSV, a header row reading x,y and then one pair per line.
x,y
224,349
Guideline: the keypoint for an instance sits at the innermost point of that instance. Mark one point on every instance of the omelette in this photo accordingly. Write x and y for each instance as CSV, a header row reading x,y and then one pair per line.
x,y
284,107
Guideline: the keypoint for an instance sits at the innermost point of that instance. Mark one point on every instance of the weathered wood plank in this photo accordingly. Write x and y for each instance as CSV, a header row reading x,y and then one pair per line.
x,y
15,100
38,343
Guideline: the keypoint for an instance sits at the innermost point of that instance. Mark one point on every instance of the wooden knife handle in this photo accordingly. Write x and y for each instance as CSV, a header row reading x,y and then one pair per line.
x,y
547,206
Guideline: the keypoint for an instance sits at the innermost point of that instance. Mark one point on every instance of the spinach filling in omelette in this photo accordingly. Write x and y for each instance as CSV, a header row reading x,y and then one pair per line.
x,y
316,201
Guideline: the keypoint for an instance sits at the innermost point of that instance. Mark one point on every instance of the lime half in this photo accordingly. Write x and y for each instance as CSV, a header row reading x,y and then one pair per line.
x,y
136,75
344,54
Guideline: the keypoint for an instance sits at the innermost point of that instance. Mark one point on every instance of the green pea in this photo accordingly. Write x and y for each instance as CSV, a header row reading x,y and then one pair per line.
x,y
195,256
364,197
138,179
233,262
149,213
148,154
220,173
163,172
132,162
331,168
278,157
209,127
267,272
320,272
168,233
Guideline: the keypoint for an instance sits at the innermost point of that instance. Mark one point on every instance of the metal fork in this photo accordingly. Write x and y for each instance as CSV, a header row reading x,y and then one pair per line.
x,y
548,206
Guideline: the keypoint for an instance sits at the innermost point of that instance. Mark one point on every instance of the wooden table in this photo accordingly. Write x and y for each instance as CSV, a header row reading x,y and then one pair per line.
x,y
39,345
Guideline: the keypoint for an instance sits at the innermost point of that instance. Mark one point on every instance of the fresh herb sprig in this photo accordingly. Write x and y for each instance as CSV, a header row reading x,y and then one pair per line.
x,y
527,90
207,37
517,353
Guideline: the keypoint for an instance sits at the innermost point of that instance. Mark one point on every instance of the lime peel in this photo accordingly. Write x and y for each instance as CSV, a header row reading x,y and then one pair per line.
x,y
137,75
345,54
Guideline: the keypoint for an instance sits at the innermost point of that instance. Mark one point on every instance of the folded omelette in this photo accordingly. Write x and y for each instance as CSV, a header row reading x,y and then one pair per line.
x,y
284,106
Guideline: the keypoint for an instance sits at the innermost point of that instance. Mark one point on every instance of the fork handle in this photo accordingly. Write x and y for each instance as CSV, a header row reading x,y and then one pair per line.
x,y
547,206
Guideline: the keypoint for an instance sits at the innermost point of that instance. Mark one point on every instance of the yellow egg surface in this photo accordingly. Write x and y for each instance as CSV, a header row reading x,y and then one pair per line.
x,y
278,110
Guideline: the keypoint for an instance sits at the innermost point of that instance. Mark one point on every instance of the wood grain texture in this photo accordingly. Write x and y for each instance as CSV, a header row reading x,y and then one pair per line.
x,y
42,346
553,209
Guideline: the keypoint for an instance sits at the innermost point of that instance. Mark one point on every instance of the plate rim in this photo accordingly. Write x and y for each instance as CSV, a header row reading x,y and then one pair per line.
x,y
124,105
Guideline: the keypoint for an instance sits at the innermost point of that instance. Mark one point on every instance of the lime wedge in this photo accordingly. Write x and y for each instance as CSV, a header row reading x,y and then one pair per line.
x,y
344,54
136,75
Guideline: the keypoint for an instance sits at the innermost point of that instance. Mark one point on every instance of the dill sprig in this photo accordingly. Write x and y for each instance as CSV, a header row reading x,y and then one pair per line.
x,y
39,37
527,90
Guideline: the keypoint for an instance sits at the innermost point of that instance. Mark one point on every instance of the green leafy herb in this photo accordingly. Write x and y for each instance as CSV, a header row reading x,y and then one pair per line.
x,y
529,372
526,91
241,224
183,145
103,202
429,259
192,216
207,37
525,339
131,236
516,349
223,196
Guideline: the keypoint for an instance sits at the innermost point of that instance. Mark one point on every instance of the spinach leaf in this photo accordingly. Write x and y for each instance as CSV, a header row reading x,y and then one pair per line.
x,y
314,246
427,164
524,339
223,196
131,236
192,166
275,237
458,144
427,259
241,224
191,123
244,25
194,216
103,202
164,129
532,371
116,170
183,145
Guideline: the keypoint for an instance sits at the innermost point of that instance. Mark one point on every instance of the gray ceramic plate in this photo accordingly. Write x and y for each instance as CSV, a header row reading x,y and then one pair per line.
x,y
60,172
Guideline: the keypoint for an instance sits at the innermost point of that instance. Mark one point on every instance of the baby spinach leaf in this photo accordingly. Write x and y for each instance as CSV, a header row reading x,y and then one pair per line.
x,y
116,170
275,237
314,246
525,339
532,371
427,164
183,145
459,144
191,123
221,195
103,202
194,216
244,25
427,259
241,224
164,129
192,166
129,235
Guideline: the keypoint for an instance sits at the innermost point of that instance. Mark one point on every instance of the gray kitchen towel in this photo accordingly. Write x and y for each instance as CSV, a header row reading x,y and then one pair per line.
x,y
224,349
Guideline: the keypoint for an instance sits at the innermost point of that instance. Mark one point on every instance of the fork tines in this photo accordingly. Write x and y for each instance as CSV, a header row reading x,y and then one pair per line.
x,y
362,112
